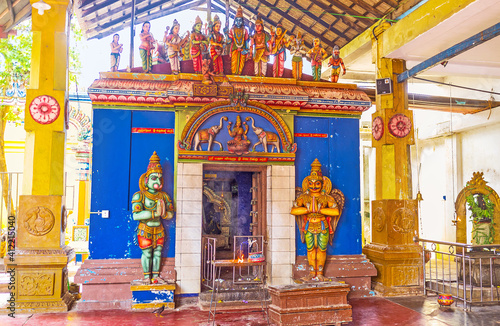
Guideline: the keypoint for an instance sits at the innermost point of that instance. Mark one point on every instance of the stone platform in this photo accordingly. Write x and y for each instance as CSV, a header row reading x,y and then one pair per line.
x,y
106,282
354,270
310,304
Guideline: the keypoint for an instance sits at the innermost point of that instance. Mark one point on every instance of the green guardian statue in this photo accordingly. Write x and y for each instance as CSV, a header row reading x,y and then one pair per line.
x,y
150,205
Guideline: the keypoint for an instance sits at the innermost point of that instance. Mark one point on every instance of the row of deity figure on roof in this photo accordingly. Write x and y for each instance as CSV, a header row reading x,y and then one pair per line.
x,y
210,43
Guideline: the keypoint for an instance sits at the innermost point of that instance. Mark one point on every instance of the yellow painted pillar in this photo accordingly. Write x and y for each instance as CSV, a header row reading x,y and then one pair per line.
x,y
394,212
40,258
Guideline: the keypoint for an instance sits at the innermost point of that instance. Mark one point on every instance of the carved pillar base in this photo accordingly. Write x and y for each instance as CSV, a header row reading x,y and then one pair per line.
x,y
399,269
39,263
396,257
41,280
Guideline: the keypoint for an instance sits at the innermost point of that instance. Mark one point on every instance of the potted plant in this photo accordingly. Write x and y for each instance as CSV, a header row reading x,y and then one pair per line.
x,y
482,210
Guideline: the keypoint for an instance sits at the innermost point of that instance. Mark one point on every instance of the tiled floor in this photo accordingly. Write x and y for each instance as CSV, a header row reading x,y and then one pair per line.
x,y
404,311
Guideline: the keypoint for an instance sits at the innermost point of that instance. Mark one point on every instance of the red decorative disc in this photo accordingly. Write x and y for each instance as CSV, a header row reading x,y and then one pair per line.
x,y
378,128
399,125
44,109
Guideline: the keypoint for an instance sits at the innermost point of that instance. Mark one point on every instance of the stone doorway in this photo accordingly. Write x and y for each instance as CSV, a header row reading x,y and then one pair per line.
x,y
233,204
274,221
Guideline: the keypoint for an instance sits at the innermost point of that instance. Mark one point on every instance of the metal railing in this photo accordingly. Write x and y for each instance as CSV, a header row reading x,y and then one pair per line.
x,y
208,257
470,273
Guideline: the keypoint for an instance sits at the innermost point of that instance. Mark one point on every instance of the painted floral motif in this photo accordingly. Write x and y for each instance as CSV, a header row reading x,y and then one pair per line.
x,y
44,109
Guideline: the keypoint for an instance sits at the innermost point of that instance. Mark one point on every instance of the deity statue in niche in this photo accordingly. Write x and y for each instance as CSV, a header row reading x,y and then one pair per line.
x,y
238,35
298,52
216,46
260,43
240,143
116,49
199,44
317,212
336,63
174,45
279,43
146,47
150,205
316,54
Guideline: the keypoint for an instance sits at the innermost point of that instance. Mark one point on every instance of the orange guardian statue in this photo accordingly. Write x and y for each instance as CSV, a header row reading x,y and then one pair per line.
x,y
150,205
317,215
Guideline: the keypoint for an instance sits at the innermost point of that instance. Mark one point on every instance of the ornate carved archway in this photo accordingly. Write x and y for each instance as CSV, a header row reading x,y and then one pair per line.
x,y
477,185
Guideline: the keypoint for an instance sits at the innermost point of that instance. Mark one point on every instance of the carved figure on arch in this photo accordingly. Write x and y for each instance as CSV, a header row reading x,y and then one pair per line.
x,y
199,44
265,138
174,45
317,211
336,63
116,49
238,37
298,52
316,54
208,136
216,39
151,205
240,143
260,43
146,47
279,43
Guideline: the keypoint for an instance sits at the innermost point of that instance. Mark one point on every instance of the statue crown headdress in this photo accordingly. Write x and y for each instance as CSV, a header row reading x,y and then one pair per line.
x,y
316,173
259,20
154,165
216,20
175,23
336,48
239,12
198,20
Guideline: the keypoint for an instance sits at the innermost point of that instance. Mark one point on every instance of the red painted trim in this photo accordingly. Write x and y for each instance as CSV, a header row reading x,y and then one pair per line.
x,y
152,131
311,135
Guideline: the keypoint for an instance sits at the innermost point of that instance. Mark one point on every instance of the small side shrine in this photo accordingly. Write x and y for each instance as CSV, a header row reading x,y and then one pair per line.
x,y
231,149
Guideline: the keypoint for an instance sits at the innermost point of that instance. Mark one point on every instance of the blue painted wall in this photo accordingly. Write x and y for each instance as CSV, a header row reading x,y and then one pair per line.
x,y
339,157
119,159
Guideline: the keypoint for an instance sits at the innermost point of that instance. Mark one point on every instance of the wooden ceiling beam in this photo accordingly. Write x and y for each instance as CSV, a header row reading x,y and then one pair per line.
x,y
109,28
11,11
345,19
368,8
267,20
347,10
298,23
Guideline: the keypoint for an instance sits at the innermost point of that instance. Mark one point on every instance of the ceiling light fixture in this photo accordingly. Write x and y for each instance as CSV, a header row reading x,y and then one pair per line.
x,y
41,6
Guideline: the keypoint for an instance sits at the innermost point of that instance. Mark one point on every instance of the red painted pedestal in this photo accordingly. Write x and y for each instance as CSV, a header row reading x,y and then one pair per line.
x,y
310,304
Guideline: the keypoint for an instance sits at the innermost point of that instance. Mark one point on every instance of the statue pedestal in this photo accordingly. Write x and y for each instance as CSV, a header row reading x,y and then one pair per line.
x,y
106,282
354,270
152,296
397,258
310,304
